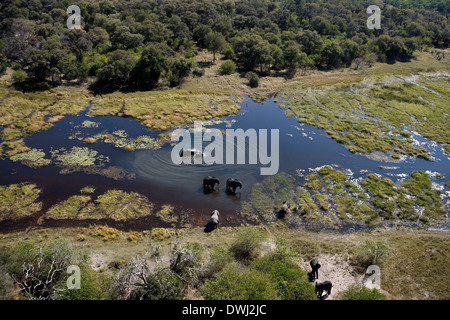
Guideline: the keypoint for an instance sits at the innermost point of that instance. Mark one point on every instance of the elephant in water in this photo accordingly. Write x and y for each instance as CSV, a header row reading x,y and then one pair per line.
x,y
209,184
213,221
284,209
232,185
191,153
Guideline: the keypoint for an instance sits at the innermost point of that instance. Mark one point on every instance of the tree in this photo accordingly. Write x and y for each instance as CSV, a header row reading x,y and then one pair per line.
x,y
45,61
118,68
200,34
150,66
310,41
179,69
3,63
331,54
253,51
18,40
215,42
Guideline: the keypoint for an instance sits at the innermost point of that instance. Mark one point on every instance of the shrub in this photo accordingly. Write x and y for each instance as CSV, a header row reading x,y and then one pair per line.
x,y
162,285
229,53
292,282
357,291
245,247
218,260
253,79
235,282
227,67
19,76
93,286
370,254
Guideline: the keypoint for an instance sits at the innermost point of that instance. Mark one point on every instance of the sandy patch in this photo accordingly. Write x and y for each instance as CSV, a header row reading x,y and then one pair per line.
x,y
336,269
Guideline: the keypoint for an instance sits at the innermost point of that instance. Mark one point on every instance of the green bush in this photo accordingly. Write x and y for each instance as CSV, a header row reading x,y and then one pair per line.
x,y
370,254
93,286
235,282
162,285
246,245
19,76
292,282
218,260
357,291
228,67
253,79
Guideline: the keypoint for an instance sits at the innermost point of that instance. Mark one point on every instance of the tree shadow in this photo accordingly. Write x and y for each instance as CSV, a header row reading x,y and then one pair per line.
x,y
204,64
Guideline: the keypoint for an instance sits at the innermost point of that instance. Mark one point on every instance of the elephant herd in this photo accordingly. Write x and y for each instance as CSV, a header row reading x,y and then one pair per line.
x,y
210,182
209,186
320,287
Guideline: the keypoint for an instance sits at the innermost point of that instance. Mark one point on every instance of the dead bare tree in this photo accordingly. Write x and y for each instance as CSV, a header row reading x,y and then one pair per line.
x,y
38,279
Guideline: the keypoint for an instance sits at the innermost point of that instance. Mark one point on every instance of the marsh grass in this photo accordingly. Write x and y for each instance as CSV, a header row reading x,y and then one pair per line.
x,y
162,110
363,121
166,214
328,196
19,201
114,204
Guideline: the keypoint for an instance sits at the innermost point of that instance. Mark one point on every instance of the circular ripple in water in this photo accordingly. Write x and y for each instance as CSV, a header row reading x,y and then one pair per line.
x,y
158,165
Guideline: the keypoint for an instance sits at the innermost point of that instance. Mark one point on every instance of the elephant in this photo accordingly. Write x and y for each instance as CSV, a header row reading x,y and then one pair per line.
x,y
284,209
323,286
315,266
209,184
213,222
191,152
232,185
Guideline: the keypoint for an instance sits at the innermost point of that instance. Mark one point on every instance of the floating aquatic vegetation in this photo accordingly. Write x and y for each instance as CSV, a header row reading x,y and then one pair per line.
x,y
78,157
35,158
120,133
112,172
87,190
90,124
166,214
114,204
131,144
19,201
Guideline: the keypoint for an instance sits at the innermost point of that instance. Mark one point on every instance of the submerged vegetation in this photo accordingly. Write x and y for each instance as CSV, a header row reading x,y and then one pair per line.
x,y
330,196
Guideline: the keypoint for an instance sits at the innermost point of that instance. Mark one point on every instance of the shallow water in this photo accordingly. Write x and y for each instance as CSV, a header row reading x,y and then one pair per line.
x,y
302,148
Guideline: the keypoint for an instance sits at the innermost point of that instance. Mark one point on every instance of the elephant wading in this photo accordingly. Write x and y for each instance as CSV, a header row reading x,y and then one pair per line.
x,y
232,185
209,184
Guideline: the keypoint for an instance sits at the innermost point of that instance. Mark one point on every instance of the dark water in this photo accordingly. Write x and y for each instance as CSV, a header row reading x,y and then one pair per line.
x,y
301,147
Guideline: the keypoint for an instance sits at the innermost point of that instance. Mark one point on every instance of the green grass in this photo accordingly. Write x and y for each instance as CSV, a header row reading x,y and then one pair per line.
x,y
19,201
114,204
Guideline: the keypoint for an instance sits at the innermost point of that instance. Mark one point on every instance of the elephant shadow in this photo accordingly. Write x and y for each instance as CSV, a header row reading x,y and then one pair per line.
x,y
280,214
211,193
210,227
234,196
